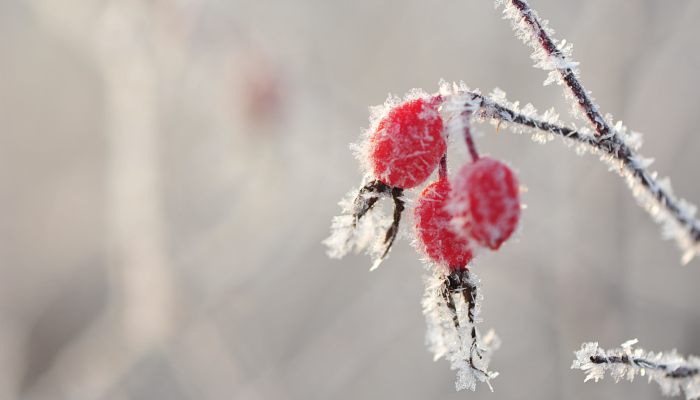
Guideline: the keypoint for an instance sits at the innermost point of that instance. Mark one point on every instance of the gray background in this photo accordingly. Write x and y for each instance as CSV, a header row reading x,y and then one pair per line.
x,y
168,170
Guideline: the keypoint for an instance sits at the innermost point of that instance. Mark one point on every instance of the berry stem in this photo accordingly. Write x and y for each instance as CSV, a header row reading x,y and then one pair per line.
x,y
442,171
470,140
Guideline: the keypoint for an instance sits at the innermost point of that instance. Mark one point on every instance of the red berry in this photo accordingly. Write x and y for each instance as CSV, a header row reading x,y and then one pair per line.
x,y
485,202
434,230
408,144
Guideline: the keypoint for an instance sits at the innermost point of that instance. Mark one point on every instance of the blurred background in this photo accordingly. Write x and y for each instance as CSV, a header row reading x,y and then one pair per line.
x,y
168,170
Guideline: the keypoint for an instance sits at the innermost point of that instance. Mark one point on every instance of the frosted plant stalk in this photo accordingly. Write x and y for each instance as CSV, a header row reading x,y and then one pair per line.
x,y
654,194
674,373
677,216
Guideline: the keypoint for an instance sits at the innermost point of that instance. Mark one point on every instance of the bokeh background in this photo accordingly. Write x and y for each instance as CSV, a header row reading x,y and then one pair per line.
x,y
168,170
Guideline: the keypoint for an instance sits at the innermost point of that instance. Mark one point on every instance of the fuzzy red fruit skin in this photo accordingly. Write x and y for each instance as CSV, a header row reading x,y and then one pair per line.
x,y
438,240
485,202
408,144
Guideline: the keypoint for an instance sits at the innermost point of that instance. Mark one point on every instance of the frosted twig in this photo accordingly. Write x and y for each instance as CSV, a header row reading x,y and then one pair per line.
x,y
673,372
676,214
535,33
555,57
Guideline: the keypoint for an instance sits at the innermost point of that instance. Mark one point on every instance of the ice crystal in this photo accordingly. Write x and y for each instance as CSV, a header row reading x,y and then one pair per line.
x,y
674,373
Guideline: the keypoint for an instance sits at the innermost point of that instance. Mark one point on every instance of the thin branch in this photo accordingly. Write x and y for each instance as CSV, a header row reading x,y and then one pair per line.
x,y
618,150
674,373
563,66
555,57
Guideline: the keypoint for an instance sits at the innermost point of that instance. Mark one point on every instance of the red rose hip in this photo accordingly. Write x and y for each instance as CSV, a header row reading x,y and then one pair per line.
x,y
485,202
408,144
435,234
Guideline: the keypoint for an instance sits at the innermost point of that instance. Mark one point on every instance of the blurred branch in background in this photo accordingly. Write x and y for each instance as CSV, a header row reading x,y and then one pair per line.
x,y
120,35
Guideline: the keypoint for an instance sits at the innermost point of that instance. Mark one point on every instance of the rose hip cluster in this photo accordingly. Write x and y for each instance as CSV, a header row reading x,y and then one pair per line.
x,y
479,207
455,216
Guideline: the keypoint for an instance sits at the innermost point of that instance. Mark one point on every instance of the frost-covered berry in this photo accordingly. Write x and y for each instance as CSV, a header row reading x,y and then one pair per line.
x,y
407,144
434,231
485,202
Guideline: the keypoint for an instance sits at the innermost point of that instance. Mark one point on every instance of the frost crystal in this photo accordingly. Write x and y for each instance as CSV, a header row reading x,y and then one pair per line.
x,y
452,332
674,373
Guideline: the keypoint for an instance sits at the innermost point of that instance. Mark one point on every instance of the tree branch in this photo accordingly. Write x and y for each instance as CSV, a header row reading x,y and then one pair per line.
x,y
612,146
556,58
673,372
563,66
